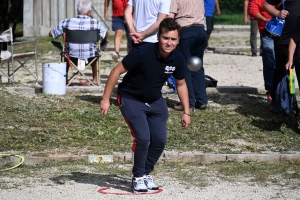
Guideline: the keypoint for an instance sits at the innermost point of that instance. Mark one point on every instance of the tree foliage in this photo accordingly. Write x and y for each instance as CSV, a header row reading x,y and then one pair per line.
x,y
11,13
231,6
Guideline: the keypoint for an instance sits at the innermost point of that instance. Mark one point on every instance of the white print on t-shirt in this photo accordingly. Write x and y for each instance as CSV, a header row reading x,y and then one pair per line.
x,y
169,69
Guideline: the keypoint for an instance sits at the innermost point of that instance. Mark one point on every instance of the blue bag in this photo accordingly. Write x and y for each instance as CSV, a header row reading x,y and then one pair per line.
x,y
285,102
171,83
275,25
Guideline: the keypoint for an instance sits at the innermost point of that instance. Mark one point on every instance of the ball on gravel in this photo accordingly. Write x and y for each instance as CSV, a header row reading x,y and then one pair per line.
x,y
194,63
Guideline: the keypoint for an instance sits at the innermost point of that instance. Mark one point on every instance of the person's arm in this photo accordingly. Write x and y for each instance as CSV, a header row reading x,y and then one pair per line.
x,y
106,4
183,95
57,30
272,10
151,30
292,48
246,4
254,11
128,15
218,11
110,85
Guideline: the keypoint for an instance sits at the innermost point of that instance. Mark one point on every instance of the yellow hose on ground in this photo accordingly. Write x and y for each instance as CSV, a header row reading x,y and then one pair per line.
x,y
13,167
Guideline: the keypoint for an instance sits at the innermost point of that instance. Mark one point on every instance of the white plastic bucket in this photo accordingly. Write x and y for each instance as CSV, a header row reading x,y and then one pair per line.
x,y
54,78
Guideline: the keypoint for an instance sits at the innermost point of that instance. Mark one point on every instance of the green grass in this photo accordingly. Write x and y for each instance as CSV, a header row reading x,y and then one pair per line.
x,y
229,19
262,173
45,122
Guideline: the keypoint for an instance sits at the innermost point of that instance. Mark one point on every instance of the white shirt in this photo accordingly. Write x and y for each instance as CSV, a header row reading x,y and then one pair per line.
x,y
145,13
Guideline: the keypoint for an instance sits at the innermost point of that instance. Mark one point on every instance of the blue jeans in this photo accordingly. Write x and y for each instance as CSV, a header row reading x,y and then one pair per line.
x,y
268,59
209,28
192,43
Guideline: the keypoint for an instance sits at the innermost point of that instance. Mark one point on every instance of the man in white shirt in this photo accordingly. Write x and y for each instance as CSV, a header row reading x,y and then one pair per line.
x,y
143,18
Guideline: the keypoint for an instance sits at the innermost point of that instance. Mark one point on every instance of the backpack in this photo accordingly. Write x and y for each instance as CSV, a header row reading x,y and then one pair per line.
x,y
171,83
210,82
285,102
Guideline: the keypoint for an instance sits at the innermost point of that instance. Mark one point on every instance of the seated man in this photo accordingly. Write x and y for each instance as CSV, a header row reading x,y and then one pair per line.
x,y
82,21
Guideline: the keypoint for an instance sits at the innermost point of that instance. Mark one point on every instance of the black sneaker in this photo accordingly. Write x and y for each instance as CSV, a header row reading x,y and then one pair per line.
x,y
149,182
138,185
200,106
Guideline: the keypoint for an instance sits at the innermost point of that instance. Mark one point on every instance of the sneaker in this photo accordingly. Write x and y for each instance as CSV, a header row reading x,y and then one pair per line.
x,y
254,54
149,182
116,57
200,106
269,96
179,107
138,185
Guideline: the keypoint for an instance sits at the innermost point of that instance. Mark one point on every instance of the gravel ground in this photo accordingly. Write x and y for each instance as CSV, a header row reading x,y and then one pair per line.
x,y
172,189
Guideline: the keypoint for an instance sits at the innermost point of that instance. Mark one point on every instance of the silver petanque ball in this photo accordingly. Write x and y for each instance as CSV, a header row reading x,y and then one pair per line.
x,y
194,63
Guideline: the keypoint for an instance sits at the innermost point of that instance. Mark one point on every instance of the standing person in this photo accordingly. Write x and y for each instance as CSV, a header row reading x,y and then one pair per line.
x,y
210,6
140,99
118,24
256,10
190,16
143,18
82,21
281,46
253,28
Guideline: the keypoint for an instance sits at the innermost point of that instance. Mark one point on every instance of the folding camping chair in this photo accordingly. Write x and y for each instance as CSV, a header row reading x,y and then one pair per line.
x,y
19,55
81,37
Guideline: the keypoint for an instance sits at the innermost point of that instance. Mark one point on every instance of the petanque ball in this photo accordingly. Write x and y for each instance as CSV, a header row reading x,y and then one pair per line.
x,y
194,63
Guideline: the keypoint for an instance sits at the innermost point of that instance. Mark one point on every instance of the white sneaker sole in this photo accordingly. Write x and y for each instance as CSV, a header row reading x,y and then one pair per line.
x,y
115,57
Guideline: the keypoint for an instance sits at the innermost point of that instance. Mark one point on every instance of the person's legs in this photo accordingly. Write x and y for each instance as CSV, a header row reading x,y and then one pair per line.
x,y
198,77
253,37
118,26
209,28
117,40
93,66
94,70
281,55
134,113
192,43
157,121
268,59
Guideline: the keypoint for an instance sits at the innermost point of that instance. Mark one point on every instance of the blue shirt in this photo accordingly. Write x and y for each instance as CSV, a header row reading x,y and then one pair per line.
x,y
148,71
209,6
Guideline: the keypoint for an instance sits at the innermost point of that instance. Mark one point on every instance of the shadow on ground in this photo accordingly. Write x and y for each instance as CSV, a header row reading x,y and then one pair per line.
x,y
111,180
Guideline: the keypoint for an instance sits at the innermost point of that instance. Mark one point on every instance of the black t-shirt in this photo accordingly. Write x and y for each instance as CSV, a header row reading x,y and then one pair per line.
x,y
148,71
293,6
296,32
296,37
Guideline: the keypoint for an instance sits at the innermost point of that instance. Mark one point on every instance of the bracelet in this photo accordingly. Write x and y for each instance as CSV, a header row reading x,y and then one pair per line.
x,y
186,114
